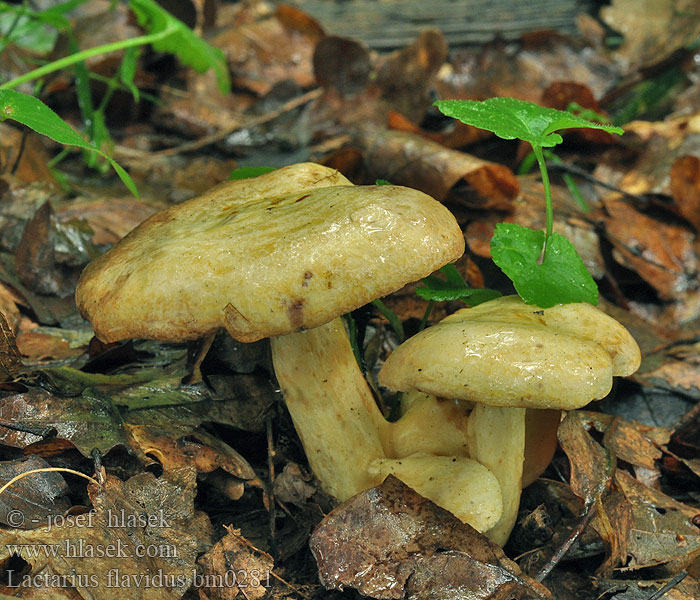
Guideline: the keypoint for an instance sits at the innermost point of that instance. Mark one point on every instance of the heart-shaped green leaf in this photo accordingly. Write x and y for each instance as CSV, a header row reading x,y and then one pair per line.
x,y
510,119
560,278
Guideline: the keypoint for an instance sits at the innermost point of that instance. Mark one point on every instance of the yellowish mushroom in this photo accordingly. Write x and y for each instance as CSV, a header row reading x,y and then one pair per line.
x,y
282,256
504,357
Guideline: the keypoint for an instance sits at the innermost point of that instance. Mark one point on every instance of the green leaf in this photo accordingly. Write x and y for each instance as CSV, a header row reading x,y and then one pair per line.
x,y
510,119
248,172
560,278
181,41
33,113
453,287
382,182
127,71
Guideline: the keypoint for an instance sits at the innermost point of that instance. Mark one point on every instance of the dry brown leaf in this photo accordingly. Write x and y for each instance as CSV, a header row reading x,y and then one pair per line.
x,y
342,63
653,29
269,51
404,76
685,187
10,359
592,466
110,218
673,367
236,568
524,69
200,450
662,253
86,422
389,542
30,502
38,346
23,154
662,532
142,539
459,135
635,443
407,159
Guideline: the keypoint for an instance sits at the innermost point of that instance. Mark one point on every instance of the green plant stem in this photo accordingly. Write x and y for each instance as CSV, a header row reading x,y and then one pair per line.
x,y
537,150
390,316
67,61
426,315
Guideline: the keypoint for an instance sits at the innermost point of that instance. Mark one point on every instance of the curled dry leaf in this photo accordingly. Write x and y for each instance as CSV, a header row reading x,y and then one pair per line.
x,y
459,135
389,542
411,160
235,555
592,466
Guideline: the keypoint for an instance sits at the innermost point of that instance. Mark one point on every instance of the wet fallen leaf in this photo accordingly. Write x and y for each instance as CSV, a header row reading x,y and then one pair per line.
x,y
25,154
524,68
389,542
31,501
271,50
685,187
407,159
343,64
458,135
243,569
404,75
143,538
662,533
110,218
652,29
662,253
592,466
10,359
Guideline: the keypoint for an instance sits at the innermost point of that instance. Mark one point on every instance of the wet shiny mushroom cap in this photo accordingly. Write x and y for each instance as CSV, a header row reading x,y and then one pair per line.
x,y
282,252
507,353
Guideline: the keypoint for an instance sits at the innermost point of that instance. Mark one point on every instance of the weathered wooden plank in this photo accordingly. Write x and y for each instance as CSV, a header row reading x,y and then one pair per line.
x,y
388,24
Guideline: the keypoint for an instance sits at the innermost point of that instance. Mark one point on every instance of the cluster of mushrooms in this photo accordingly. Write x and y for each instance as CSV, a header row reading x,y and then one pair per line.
x,y
285,255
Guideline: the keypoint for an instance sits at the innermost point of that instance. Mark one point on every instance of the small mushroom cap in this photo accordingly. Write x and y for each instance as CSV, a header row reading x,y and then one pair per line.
x,y
282,252
507,353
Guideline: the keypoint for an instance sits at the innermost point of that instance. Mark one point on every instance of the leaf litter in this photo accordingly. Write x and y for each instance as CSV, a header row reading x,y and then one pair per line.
x,y
219,455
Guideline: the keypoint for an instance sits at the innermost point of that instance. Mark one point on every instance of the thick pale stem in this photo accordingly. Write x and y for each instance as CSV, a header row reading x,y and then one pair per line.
x,y
429,425
497,441
461,485
332,407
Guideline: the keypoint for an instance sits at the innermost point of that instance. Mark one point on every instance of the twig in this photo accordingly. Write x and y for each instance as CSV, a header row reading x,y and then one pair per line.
x,y
564,548
670,584
124,152
270,492
46,432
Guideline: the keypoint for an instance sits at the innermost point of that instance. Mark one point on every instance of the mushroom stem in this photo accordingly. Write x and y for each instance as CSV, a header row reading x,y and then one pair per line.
x,y
333,409
497,440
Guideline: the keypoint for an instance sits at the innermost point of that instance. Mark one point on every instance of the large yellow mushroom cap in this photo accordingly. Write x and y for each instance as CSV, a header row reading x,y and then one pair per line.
x,y
507,353
282,252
